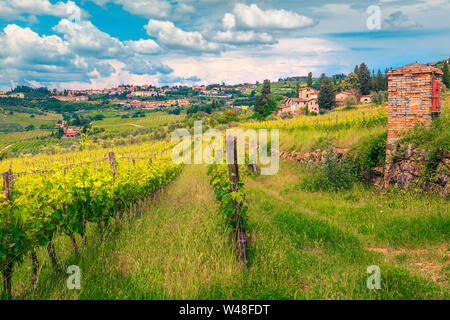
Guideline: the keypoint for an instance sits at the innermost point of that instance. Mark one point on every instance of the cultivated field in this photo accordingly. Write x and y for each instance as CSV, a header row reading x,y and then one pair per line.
x,y
151,120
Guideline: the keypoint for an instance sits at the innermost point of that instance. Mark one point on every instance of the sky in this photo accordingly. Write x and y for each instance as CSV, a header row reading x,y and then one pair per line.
x,y
95,44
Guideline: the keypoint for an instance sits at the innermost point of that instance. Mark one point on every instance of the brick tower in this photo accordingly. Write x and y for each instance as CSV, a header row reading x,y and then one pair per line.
x,y
414,98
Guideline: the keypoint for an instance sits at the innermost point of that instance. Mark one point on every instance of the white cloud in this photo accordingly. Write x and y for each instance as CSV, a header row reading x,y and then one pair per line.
x,y
175,38
13,9
28,56
184,8
146,8
83,52
243,37
142,46
252,17
86,39
229,21
286,58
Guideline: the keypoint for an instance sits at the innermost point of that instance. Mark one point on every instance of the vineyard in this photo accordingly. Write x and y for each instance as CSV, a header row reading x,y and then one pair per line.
x,y
364,117
140,227
7,139
47,196
152,120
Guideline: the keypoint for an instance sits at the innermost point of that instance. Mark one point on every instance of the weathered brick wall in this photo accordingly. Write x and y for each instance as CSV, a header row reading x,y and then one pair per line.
x,y
410,98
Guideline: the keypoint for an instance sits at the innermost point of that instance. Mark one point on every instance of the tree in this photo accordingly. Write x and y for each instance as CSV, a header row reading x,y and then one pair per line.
x,y
310,80
350,82
297,89
327,94
265,104
380,82
446,75
364,79
356,71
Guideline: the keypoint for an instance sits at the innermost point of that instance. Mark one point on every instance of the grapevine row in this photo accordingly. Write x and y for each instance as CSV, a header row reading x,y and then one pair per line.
x,y
336,120
35,208
230,193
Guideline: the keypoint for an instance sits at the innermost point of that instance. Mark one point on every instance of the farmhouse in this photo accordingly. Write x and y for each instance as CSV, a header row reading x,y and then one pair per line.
x,y
71,132
366,99
307,99
307,93
340,97
298,105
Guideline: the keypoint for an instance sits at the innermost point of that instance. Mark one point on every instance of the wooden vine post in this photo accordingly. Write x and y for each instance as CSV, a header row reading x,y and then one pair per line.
x,y
112,163
7,270
233,174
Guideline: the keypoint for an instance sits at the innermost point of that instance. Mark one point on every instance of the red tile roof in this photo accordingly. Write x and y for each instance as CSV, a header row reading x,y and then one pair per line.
x,y
415,68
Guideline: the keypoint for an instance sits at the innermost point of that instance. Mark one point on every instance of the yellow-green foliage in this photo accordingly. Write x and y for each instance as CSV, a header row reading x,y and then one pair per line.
x,y
364,117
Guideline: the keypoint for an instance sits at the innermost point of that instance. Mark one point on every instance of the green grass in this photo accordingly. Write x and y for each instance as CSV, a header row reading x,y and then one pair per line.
x,y
302,246
24,120
306,140
152,120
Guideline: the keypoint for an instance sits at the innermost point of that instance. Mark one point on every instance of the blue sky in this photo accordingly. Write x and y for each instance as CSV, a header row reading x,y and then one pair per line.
x,y
104,43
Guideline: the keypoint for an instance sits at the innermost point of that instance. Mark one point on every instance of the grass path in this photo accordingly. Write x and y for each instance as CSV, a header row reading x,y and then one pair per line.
x,y
328,239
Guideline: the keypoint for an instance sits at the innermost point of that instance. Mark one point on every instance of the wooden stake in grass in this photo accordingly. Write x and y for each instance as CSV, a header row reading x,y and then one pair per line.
x,y
233,174
112,163
52,254
8,267
34,269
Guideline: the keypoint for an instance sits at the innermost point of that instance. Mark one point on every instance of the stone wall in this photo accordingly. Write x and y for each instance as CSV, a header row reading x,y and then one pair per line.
x,y
315,157
408,165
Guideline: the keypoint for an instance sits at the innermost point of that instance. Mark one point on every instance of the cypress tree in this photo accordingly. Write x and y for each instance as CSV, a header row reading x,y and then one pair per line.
x,y
327,94
310,80
446,75
380,81
265,104
364,79
356,71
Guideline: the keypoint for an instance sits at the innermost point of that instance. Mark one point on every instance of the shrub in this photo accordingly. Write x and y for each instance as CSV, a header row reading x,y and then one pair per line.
x,y
336,174
287,115
372,151
350,101
379,97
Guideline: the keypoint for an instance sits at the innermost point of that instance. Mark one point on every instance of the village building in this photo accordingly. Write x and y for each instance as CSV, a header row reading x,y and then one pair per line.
x,y
17,95
341,96
71,132
61,125
71,98
307,93
366,99
307,100
143,94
